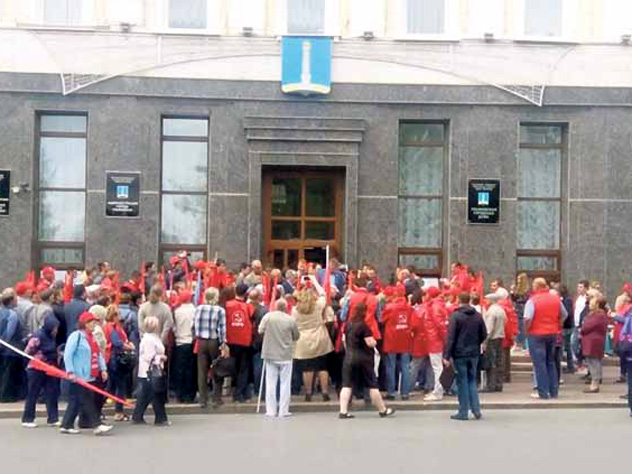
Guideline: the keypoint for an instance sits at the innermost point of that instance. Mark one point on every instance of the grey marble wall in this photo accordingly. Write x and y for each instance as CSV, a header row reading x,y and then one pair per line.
x,y
124,134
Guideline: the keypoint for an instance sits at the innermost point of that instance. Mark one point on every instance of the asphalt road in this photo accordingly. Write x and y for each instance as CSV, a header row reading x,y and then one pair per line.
x,y
504,441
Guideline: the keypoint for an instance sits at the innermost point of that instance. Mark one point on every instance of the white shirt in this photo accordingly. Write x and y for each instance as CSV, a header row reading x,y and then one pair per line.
x,y
183,324
580,304
151,349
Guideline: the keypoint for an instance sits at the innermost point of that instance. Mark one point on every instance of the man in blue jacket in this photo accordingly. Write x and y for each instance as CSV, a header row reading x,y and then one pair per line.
x,y
12,375
75,308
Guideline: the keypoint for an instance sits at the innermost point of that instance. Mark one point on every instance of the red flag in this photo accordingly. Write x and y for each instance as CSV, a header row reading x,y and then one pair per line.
x,y
273,297
68,288
117,289
327,284
265,280
141,284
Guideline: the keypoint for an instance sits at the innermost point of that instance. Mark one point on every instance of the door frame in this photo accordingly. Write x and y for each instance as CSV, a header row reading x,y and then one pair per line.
x,y
270,245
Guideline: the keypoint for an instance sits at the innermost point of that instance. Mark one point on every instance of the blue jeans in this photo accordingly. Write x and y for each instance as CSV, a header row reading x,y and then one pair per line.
x,y
570,357
542,349
521,332
466,381
404,370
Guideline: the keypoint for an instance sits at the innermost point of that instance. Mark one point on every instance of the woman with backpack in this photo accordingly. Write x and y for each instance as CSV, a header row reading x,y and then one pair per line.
x,y
42,346
119,357
152,384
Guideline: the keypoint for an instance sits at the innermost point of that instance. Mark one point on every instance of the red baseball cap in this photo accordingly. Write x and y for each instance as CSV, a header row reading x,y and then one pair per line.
x,y
48,271
22,287
86,317
627,287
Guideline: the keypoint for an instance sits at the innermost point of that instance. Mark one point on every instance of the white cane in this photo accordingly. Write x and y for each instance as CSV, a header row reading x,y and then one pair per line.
x,y
263,373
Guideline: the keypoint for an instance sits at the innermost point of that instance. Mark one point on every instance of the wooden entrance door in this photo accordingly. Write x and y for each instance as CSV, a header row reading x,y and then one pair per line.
x,y
302,215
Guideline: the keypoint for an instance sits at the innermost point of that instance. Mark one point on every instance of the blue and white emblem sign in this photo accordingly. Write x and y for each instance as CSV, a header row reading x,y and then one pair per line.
x,y
306,65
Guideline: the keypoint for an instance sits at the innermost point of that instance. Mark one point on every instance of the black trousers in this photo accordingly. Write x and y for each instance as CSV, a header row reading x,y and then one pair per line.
x,y
146,395
243,359
185,373
118,381
38,381
12,379
80,400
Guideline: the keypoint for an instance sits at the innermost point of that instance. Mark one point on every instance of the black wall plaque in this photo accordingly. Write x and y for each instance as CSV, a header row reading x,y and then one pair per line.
x,y
5,192
483,201
122,194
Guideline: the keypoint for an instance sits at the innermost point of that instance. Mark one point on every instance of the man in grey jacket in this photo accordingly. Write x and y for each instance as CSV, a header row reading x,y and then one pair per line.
x,y
280,332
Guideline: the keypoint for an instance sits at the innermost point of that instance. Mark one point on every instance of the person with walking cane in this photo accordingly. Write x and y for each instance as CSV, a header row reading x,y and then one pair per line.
x,y
280,332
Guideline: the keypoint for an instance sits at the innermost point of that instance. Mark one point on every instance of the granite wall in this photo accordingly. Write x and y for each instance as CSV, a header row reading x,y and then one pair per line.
x,y
124,135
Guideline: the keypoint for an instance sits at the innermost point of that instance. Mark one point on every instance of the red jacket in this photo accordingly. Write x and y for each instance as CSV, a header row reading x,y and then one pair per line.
x,y
593,333
397,331
511,323
546,314
435,326
239,323
418,315
362,295
109,329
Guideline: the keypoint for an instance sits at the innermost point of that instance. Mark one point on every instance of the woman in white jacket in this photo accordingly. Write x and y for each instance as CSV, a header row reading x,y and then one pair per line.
x,y
151,352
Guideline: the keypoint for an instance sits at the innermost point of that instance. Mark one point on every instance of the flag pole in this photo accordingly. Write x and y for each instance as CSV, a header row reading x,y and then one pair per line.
x,y
263,373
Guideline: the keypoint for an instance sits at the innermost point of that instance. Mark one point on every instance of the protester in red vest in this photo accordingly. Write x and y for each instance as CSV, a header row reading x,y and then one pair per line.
x,y
239,335
419,349
435,329
397,340
544,315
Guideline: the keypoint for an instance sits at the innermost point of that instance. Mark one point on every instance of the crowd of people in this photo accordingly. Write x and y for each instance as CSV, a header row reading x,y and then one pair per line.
x,y
199,329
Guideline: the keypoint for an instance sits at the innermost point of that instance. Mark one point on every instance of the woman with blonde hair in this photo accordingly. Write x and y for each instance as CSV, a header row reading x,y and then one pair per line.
x,y
119,357
519,297
151,356
314,343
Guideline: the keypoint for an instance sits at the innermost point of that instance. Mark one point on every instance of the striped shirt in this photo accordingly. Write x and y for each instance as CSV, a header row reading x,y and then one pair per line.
x,y
209,322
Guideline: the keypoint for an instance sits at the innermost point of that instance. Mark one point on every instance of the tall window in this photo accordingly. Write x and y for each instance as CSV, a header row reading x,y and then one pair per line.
x,y
422,149
64,12
62,189
188,14
543,17
539,199
306,17
184,185
426,17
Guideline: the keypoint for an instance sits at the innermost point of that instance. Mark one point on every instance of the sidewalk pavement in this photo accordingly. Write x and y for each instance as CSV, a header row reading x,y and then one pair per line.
x,y
516,395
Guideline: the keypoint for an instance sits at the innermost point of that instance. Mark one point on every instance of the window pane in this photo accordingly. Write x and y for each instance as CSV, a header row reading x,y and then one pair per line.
x,y
538,225
62,162
286,197
426,16
320,200
183,220
187,14
541,134
420,222
63,123
185,127
530,264
306,16
64,12
62,216
543,17
540,173
421,171
421,133
62,256
420,262
286,230
320,230
184,166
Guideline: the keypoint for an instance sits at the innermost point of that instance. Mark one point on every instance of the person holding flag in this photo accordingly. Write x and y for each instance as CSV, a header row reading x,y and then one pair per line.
x,y
83,360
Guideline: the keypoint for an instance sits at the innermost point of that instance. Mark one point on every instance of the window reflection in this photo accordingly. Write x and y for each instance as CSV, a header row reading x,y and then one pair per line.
x,y
62,216
183,219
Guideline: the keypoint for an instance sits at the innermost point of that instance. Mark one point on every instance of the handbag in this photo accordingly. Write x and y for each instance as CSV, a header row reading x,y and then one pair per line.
x,y
624,348
156,377
125,360
224,367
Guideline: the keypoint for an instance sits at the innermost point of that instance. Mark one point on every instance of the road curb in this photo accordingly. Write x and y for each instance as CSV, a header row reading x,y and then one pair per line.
x,y
316,407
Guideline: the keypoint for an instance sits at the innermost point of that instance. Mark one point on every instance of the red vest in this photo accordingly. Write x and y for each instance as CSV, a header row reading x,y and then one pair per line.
x,y
435,326
239,323
546,314
419,348
397,331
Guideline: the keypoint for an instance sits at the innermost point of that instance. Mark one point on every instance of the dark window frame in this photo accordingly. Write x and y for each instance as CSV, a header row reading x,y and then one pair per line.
x,y
549,275
445,144
39,245
169,247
